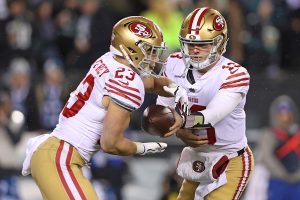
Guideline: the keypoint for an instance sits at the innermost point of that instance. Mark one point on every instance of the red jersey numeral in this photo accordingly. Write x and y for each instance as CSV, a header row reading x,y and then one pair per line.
x,y
211,134
79,96
232,67
176,55
120,72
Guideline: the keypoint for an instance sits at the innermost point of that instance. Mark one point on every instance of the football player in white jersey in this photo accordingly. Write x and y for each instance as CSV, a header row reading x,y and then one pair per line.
x,y
98,112
217,163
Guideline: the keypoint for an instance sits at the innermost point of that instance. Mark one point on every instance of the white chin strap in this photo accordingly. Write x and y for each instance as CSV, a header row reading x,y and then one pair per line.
x,y
212,57
200,65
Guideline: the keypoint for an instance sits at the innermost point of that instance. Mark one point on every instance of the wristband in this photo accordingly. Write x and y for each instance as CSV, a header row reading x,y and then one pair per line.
x,y
140,148
196,121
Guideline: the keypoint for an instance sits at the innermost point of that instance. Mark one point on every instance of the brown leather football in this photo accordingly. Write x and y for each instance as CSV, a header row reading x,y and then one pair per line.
x,y
157,120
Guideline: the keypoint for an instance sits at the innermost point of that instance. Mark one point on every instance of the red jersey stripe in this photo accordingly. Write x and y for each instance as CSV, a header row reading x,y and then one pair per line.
x,y
236,75
234,85
127,87
235,81
123,91
124,96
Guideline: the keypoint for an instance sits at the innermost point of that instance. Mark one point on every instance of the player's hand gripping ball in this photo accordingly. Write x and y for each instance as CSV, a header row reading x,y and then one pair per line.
x,y
157,120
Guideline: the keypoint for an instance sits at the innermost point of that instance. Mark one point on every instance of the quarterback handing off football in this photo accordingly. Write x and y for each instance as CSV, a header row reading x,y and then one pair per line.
x,y
157,120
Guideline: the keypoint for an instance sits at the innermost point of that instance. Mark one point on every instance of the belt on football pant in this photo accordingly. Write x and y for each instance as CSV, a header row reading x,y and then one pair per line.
x,y
238,153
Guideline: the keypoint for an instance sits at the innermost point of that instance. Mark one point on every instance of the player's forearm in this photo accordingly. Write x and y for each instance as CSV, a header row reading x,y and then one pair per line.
x,y
155,85
126,147
113,140
122,147
221,106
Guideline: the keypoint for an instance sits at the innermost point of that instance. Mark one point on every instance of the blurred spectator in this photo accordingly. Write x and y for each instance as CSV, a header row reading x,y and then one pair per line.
x,y
101,29
45,33
66,20
290,44
168,17
83,29
51,94
3,40
11,127
278,154
280,149
18,29
110,171
22,92
3,9
293,4
264,20
81,55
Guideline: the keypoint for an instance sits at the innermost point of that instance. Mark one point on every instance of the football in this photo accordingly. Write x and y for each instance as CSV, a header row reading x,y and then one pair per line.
x,y
157,120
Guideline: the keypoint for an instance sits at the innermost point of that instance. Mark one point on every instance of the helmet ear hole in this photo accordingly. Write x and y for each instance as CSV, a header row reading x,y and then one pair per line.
x,y
131,50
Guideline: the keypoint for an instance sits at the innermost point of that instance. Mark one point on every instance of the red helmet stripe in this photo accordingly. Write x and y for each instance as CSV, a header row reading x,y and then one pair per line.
x,y
192,19
199,20
196,20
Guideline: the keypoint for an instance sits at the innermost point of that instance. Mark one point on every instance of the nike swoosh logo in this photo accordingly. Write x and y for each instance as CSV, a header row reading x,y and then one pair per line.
x,y
124,83
180,76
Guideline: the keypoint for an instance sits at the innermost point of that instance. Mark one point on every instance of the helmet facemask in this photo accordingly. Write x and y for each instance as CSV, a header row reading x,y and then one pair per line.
x,y
154,60
196,62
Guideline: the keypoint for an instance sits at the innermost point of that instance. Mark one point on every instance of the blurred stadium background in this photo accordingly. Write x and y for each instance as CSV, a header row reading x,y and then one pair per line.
x,y
47,46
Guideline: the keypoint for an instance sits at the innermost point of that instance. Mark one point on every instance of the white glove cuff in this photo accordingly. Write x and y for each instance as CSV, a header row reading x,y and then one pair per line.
x,y
140,148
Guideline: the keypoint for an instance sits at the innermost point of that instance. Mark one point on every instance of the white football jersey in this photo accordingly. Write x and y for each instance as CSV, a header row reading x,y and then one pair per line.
x,y
229,133
81,120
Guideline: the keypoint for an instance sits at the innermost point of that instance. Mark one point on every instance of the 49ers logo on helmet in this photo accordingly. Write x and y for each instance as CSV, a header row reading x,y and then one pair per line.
x,y
140,29
219,23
